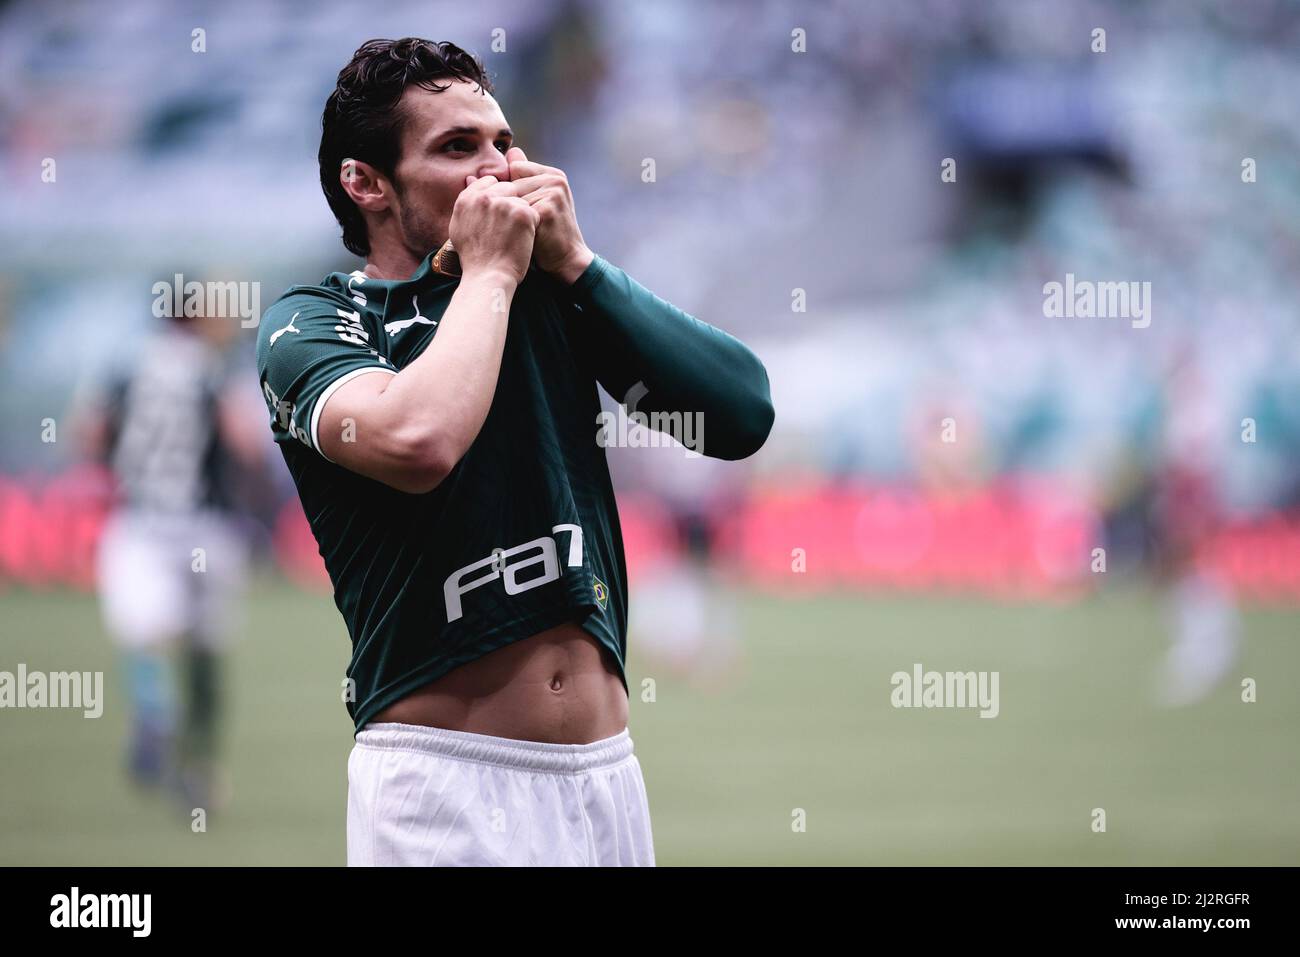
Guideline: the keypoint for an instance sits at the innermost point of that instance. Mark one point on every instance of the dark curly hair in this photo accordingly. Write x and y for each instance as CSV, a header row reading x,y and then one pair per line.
x,y
362,119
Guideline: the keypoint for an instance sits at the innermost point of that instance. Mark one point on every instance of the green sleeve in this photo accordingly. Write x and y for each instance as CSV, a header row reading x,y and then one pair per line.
x,y
307,347
683,365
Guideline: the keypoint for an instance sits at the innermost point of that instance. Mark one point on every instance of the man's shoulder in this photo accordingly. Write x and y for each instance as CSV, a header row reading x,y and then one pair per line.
x,y
325,296
325,301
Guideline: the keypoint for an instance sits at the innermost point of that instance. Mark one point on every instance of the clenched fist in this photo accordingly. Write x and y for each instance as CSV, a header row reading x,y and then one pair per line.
x,y
493,229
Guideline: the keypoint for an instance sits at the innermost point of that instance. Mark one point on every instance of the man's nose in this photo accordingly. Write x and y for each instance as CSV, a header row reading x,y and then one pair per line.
x,y
494,165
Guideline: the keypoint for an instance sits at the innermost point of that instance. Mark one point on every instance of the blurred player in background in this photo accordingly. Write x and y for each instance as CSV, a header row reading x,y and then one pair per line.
x,y
683,614
172,555
1204,623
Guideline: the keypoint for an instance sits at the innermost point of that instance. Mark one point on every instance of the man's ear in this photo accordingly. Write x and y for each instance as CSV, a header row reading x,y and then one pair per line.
x,y
365,185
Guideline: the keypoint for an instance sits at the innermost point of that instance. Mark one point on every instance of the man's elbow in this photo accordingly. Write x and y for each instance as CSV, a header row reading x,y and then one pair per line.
x,y
756,425
420,463
750,426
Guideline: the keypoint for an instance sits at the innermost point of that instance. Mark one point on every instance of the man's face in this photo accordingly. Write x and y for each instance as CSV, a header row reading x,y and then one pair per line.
x,y
445,137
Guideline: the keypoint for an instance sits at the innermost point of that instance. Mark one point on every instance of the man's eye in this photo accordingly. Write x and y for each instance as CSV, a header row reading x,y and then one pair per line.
x,y
458,146
503,146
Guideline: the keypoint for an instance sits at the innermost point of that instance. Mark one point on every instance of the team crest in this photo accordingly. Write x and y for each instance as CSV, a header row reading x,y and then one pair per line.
x,y
602,593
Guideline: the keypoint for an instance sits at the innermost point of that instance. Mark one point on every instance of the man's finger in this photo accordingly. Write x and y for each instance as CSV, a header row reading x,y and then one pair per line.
x,y
479,183
515,155
523,168
539,195
522,187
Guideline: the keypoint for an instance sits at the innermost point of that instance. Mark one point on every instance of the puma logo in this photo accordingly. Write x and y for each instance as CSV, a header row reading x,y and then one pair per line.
x,y
289,328
396,326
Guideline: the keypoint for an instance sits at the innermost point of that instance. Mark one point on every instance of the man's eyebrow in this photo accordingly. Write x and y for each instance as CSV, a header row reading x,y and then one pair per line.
x,y
472,130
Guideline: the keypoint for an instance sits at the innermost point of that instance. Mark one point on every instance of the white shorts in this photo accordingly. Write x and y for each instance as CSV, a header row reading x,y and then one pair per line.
x,y
153,587
422,796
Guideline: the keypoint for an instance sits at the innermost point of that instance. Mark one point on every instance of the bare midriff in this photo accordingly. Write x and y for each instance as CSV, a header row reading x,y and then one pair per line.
x,y
559,686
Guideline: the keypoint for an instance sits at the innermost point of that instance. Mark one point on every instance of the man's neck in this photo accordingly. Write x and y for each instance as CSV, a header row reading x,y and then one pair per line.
x,y
392,264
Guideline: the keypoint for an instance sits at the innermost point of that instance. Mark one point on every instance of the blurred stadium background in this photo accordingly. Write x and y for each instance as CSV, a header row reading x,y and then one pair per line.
x,y
776,173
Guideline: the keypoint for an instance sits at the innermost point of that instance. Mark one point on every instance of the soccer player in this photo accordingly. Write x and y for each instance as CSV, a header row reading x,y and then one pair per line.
x,y
1203,620
171,558
442,434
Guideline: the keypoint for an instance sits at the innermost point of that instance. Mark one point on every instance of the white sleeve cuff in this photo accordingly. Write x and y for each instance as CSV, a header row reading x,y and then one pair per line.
x,y
329,391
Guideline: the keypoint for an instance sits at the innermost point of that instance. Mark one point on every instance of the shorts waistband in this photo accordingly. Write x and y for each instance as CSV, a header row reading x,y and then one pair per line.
x,y
502,752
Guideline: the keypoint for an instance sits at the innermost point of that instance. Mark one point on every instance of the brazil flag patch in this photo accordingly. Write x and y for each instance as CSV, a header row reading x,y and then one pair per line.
x,y
602,593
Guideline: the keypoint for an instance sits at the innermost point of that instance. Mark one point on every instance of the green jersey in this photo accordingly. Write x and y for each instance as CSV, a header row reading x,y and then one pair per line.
x,y
523,534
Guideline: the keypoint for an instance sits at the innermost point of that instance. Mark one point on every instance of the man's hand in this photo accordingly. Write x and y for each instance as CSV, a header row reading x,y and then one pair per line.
x,y
493,229
559,247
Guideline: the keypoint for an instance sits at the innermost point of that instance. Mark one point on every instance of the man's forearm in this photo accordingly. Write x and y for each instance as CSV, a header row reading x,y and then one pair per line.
x,y
685,365
453,381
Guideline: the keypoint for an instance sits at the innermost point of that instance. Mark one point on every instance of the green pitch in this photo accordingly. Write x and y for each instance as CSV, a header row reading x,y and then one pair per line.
x,y
803,721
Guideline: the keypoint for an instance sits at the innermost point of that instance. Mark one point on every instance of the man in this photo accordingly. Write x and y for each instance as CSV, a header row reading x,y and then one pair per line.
x,y
1203,620
442,434
171,557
